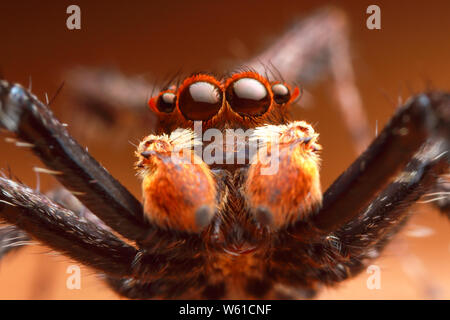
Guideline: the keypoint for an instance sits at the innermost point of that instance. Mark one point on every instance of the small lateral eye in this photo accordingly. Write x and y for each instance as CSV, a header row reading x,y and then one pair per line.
x,y
166,102
248,96
200,100
281,93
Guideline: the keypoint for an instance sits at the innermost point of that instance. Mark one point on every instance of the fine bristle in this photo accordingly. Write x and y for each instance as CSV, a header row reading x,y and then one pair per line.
x,y
272,133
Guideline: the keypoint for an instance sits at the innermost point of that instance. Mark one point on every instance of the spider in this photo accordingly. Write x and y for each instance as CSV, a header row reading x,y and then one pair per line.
x,y
224,230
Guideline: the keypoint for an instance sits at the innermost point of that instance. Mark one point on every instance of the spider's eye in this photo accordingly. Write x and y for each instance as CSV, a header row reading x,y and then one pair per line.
x,y
166,102
248,96
200,100
281,93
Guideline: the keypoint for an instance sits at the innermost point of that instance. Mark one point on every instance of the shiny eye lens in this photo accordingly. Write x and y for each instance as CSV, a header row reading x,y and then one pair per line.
x,y
281,93
248,96
200,101
166,102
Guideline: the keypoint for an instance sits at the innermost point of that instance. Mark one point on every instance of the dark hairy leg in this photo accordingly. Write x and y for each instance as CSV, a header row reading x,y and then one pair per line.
x,y
439,196
158,269
424,119
166,289
163,254
12,239
351,248
63,230
370,201
85,178
22,113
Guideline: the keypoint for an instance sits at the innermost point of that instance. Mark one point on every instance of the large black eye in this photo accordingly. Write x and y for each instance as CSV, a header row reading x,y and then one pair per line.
x,y
281,93
200,101
166,102
248,96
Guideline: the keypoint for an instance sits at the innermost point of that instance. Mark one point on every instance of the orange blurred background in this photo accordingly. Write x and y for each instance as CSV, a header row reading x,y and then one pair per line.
x,y
157,38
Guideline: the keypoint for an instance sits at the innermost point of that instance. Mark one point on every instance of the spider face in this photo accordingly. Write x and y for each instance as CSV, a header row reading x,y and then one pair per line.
x,y
244,100
277,185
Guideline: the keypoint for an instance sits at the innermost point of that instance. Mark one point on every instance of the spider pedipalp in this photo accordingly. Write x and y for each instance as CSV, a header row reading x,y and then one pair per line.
x,y
168,163
283,179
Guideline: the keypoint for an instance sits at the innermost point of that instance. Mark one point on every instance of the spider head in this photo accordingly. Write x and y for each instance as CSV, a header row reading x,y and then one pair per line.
x,y
243,100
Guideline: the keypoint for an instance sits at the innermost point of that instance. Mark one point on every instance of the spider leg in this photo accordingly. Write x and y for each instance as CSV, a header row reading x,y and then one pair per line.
x,y
162,261
136,289
108,89
169,252
63,230
312,47
12,239
350,249
163,253
440,194
133,289
22,113
369,203
425,119
107,100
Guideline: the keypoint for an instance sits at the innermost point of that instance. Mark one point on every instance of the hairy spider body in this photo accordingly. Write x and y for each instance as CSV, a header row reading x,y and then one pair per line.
x,y
243,251
249,206
253,223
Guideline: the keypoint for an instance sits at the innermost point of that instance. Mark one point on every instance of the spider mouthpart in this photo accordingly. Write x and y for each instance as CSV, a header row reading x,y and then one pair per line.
x,y
166,102
281,93
200,100
248,96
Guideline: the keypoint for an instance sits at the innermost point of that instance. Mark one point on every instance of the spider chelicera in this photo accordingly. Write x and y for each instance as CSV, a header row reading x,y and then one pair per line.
x,y
219,230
